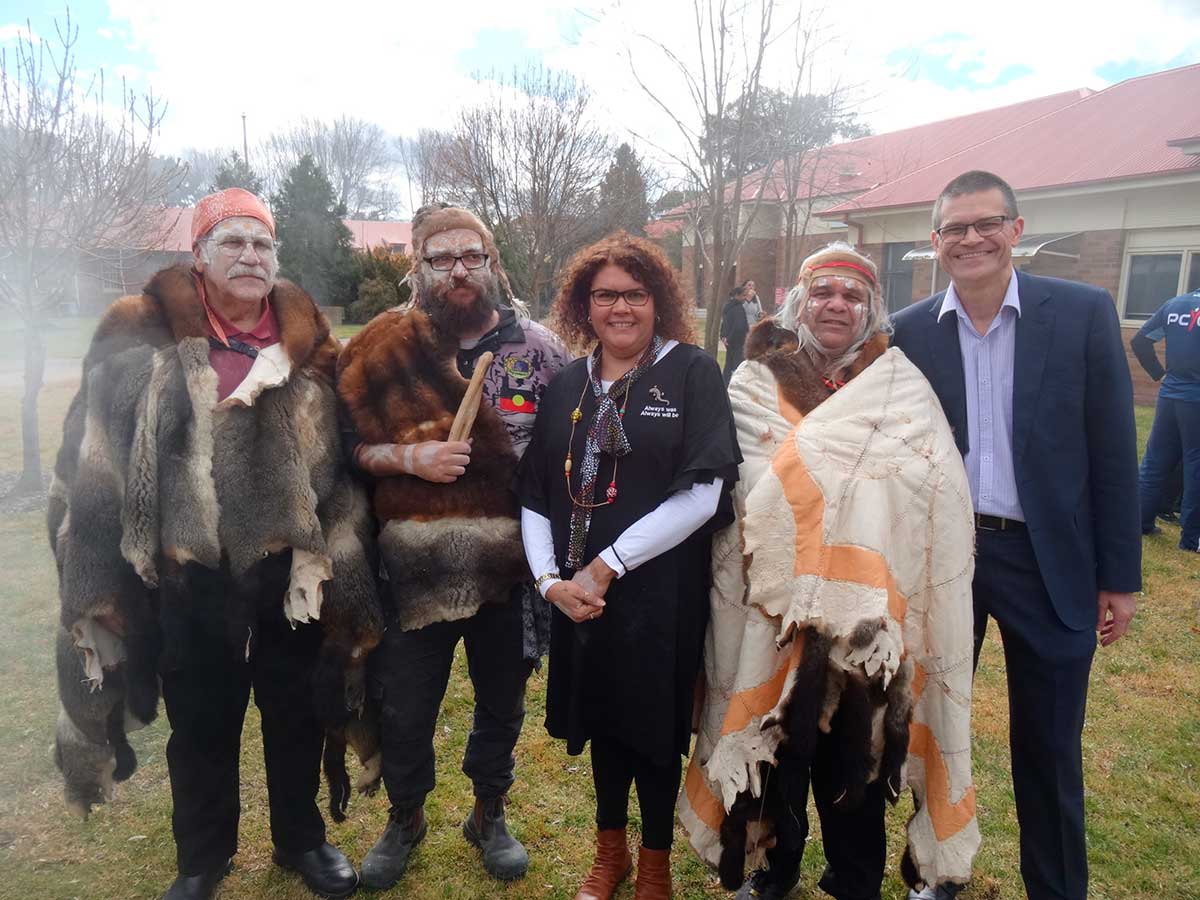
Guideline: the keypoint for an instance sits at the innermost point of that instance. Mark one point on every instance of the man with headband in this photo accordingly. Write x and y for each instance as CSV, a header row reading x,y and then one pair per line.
x,y
449,529
840,608
207,532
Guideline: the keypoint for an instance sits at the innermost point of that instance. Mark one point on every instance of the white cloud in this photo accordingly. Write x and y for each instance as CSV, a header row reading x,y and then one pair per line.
x,y
399,64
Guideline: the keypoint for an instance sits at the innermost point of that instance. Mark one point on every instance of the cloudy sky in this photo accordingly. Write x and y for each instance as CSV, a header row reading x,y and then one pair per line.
x,y
408,65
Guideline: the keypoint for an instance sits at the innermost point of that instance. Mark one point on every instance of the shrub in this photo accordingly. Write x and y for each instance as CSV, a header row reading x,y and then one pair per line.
x,y
381,273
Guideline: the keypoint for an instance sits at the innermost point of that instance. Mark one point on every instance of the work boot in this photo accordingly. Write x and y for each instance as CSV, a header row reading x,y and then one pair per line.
x,y
653,875
612,864
386,861
767,884
198,887
503,856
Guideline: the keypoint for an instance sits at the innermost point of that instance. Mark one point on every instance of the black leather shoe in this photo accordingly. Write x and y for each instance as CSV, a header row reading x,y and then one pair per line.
x,y
325,870
197,887
386,861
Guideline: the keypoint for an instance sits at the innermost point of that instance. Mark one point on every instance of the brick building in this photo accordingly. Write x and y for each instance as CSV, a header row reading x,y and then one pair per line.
x,y
1108,183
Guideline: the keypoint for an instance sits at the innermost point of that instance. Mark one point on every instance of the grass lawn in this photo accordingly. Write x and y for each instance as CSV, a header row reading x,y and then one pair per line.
x,y
1141,747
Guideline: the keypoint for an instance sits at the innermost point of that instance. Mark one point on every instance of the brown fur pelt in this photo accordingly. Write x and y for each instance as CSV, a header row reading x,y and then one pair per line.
x,y
155,481
868,722
799,380
448,547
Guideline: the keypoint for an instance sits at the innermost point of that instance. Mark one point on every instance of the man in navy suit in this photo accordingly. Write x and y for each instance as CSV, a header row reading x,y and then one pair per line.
x,y
1033,378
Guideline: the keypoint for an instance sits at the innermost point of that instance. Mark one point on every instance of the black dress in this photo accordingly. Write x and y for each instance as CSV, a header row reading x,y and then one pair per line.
x,y
734,328
630,674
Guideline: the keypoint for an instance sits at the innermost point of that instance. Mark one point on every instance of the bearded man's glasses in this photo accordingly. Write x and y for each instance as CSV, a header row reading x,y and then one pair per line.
x,y
445,263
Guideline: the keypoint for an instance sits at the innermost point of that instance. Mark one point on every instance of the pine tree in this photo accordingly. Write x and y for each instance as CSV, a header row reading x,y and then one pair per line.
x,y
315,245
623,202
236,172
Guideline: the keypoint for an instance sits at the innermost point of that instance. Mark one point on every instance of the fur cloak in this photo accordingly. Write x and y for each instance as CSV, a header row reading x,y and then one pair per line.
x,y
154,474
851,557
448,548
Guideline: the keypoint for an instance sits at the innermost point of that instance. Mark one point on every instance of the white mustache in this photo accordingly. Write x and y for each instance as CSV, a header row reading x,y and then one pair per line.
x,y
252,271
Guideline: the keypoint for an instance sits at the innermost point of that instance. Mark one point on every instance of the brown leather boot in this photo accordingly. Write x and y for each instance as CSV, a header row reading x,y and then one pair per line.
x,y
654,875
613,863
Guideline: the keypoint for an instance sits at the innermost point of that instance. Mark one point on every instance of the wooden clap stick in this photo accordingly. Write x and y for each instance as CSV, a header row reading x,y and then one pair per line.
x,y
464,419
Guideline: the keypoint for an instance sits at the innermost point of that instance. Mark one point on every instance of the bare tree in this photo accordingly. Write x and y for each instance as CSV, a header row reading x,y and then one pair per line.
x,y
720,132
426,167
529,160
356,156
77,178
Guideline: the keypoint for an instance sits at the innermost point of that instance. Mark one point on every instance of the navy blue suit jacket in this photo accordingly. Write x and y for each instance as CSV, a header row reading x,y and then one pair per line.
x,y
1074,439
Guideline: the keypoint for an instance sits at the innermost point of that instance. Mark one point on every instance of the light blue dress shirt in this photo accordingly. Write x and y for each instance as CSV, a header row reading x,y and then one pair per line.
x,y
987,361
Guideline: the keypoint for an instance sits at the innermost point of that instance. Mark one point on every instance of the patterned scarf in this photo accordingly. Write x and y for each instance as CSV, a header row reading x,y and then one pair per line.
x,y
605,434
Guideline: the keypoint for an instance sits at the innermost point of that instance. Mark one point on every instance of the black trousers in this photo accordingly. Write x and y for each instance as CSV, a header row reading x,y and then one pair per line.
x,y
206,682
410,671
1047,667
615,768
854,840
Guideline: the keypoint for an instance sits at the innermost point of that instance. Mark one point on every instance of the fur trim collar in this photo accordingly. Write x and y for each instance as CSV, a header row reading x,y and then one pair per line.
x,y
170,301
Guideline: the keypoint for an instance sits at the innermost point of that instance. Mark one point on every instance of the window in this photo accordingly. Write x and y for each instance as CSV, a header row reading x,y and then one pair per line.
x,y
897,275
1155,278
1158,265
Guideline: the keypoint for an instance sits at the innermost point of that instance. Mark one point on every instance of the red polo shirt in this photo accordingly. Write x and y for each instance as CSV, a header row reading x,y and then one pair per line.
x,y
231,365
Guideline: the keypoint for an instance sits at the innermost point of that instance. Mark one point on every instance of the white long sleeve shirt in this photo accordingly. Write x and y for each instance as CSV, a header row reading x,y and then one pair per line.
x,y
663,528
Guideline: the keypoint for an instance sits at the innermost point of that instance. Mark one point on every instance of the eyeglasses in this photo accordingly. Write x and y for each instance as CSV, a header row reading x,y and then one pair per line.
x,y
446,262
234,247
984,228
636,297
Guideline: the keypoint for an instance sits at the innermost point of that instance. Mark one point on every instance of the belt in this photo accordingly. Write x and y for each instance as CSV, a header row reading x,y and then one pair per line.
x,y
984,522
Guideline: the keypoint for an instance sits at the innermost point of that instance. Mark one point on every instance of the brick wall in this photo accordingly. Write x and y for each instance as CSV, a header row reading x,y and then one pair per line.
x,y
757,263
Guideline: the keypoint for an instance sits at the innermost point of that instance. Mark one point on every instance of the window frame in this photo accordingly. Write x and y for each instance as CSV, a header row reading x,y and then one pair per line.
x,y
1187,253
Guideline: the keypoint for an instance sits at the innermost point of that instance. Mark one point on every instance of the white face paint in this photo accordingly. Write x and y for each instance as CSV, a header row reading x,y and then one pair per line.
x,y
237,259
834,311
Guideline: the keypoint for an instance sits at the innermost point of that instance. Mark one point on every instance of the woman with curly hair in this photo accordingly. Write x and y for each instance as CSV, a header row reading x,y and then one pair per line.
x,y
627,476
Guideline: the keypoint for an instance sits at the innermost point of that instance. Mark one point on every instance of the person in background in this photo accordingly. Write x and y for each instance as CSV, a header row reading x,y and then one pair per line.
x,y
628,474
753,305
734,329
1175,434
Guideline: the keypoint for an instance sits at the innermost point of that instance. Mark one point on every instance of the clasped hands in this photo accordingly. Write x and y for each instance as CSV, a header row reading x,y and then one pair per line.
x,y
582,598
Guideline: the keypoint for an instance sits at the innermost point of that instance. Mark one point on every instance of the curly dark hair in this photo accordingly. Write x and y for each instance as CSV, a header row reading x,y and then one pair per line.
x,y
643,260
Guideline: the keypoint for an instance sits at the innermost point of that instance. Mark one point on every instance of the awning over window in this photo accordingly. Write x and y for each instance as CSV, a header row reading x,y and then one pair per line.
x,y
1029,245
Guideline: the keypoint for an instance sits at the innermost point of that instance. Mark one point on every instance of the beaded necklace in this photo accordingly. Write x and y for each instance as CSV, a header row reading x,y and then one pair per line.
x,y
610,494
605,434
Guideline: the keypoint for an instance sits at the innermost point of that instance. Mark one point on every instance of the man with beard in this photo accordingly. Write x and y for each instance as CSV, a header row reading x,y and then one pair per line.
x,y
449,529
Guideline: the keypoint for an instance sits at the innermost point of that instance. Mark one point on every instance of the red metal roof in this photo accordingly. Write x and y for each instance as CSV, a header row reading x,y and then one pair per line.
x,y
660,228
860,165
177,224
1123,131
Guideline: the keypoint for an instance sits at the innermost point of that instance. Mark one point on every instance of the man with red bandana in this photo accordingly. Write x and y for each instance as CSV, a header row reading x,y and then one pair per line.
x,y
209,539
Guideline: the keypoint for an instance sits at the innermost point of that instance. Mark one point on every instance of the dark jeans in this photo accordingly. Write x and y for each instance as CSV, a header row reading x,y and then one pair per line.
x,y
206,692
615,768
1047,667
1174,437
410,671
854,840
